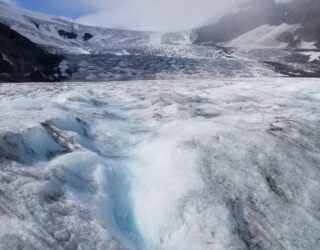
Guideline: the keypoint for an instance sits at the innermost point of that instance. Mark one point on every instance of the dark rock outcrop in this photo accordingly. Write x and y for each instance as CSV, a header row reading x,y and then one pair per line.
x,y
22,60
67,35
87,36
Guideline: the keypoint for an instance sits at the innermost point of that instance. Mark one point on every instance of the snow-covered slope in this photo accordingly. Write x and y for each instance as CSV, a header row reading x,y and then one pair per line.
x,y
270,36
215,164
265,36
64,34
267,24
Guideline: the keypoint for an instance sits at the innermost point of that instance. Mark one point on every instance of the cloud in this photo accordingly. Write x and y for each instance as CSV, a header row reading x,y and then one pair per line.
x,y
167,15
12,2
161,15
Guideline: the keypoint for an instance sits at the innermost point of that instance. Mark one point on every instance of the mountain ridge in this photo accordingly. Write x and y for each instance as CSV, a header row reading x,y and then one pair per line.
x,y
256,13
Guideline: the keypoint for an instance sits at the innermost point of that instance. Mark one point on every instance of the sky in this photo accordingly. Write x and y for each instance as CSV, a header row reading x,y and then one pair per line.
x,y
65,8
160,15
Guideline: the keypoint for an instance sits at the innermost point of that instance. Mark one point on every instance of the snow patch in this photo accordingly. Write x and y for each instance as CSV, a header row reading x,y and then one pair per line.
x,y
7,59
307,45
265,36
313,55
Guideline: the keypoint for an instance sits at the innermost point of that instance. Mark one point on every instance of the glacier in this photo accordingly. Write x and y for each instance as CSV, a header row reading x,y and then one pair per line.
x,y
163,164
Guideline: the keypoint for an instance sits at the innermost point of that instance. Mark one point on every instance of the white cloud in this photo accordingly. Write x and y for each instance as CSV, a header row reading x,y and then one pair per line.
x,y
154,14
166,15
9,2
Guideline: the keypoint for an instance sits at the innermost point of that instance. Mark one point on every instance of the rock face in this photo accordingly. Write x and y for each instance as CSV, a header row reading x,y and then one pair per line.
x,y
87,36
68,35
22,60
255,13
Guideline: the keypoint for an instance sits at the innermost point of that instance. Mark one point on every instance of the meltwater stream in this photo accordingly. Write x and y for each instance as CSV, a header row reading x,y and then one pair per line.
x,y
211,164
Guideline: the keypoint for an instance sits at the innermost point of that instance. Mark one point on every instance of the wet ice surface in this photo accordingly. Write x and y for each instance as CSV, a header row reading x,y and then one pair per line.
x,y
215,164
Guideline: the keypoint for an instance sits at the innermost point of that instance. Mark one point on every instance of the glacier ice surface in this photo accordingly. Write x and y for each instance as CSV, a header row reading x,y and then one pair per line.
x,y
192,164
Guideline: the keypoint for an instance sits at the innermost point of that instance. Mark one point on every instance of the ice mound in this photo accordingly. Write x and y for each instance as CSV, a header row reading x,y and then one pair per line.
x,y
31,145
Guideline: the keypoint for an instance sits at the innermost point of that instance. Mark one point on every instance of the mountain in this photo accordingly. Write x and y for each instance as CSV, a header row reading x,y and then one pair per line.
x,y
267,24
61,35
100,54
63,50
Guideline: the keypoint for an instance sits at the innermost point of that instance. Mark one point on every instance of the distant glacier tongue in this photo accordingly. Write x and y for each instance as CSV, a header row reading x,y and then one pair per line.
x,y
192,164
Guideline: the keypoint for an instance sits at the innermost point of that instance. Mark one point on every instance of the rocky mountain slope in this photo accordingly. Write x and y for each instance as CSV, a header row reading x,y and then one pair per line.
x,y
295,24
22,60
